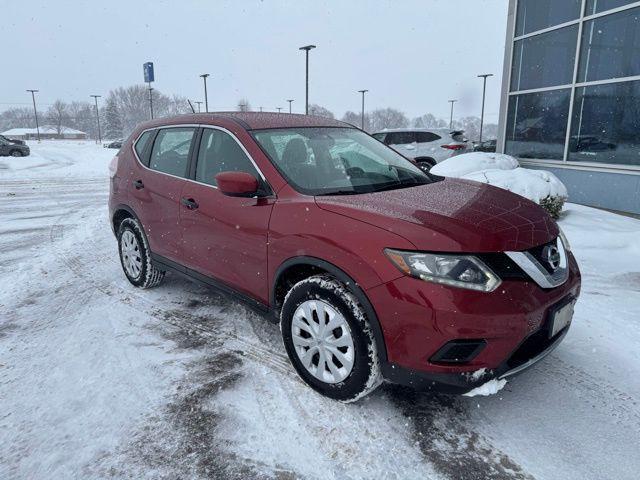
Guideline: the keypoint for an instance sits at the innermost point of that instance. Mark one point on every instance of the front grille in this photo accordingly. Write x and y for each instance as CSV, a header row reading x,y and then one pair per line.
x,y
503,266
536,252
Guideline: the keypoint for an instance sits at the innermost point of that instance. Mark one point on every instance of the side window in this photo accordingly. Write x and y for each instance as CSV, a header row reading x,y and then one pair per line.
x,y
141,143
219,152
170,152
400,138
379,136
426,137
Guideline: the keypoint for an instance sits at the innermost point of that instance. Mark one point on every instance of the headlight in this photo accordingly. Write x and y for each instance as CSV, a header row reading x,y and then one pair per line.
x,y
462,271
564,240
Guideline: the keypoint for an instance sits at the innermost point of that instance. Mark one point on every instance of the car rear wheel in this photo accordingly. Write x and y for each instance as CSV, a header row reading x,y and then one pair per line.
x,y
135,256
329,340
16,153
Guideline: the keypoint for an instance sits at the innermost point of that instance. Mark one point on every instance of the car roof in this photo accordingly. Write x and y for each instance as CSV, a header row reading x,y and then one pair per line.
x,y
250,120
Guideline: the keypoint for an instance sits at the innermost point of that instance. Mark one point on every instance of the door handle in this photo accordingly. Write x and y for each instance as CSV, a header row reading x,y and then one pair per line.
x,y
138,184
190,203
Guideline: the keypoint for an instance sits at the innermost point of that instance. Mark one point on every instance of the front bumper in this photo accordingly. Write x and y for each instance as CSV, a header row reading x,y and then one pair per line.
x,y
418,318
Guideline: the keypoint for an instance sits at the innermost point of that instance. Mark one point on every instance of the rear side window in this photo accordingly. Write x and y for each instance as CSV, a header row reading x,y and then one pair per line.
x,y
425,137
379,136
400,138
141,143
170,152
219,152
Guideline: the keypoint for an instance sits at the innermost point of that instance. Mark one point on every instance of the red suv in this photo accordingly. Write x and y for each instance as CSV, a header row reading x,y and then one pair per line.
x,y
375,269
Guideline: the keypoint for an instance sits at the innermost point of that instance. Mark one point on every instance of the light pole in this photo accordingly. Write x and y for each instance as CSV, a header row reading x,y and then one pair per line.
x,y
96,97
206,98
279,109
451,119
198,103
151,100
290,102
35,112
243,107
306,48
362,114
484,91
260,108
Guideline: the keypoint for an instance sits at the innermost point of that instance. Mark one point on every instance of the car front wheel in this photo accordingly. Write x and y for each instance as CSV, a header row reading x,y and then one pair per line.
x,y
16,153
135,255
329,340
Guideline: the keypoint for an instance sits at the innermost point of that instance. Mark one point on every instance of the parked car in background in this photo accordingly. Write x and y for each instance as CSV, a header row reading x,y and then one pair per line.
x,y
374,269
12,140
426,147
7,148
488,146
114,144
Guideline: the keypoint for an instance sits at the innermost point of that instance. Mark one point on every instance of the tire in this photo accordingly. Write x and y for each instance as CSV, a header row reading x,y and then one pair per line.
x,y
349,376
425,164
15,153
135,256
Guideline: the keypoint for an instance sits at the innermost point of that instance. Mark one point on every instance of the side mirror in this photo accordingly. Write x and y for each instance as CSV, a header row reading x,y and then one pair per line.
x,y
237,184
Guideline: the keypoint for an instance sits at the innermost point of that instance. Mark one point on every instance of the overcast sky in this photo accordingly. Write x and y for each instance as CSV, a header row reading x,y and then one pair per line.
x,y
411,55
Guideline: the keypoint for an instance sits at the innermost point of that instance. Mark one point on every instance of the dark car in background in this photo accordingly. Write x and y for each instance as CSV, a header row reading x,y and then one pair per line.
x,y
9,149
11,140
114,144
486,146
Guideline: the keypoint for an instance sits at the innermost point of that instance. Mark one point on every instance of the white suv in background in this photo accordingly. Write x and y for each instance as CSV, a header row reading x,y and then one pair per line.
x,y
426,147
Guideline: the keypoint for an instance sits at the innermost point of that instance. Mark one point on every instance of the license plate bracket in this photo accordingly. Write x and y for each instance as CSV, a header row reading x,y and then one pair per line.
x,y
561,318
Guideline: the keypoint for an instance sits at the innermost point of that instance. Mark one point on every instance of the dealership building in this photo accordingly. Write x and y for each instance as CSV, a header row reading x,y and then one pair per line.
x,y
571,96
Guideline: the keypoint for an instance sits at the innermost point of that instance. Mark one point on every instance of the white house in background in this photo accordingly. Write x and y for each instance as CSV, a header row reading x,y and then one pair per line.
x,y
47,132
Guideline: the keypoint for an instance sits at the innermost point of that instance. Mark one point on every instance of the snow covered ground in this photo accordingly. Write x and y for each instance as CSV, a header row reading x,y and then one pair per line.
x,y
100,380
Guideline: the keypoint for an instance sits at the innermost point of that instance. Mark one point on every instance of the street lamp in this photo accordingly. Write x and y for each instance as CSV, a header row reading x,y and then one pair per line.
x,y
451,120
206,98
306,48
198,103
35,112
362,115
290,102
279,109
484,91
96,97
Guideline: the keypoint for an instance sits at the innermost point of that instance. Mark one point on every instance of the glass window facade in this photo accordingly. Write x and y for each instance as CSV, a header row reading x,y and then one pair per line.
x,y
606,124
597,6
584,112
538,14
544,60
537,124
610,47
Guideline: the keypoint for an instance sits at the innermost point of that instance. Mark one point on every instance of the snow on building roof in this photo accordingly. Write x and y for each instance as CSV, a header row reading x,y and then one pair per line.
x,y
45,130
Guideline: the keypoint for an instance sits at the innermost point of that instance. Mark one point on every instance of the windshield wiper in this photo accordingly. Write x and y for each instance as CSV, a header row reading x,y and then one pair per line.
x,y
338,192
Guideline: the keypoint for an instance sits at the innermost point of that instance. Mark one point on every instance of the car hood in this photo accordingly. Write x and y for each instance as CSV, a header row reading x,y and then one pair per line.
x,y
451,215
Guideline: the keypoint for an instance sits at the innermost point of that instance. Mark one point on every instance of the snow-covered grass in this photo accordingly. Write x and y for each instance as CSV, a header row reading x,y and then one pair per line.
x,y
504,171
100,380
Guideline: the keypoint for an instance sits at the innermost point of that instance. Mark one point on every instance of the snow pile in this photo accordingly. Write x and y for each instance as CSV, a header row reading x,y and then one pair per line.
x,y
503,171
490,388
467,163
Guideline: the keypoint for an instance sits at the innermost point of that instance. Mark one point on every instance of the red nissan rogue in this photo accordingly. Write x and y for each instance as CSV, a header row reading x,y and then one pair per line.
x,y
375,269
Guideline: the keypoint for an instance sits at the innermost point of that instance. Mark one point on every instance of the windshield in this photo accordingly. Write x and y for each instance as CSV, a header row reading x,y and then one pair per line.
x,y
330,161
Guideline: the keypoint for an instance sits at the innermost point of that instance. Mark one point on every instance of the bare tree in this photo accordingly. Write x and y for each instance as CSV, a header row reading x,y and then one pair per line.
x,y
356,119
320,111
58,115
388,118
17,118
429,120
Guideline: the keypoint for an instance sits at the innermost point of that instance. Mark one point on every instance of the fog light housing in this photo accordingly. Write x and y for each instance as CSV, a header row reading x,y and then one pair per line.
x,y
458,351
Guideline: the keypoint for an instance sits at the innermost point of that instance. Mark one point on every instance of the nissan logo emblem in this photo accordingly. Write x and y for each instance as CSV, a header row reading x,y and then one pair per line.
x,y
551,255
